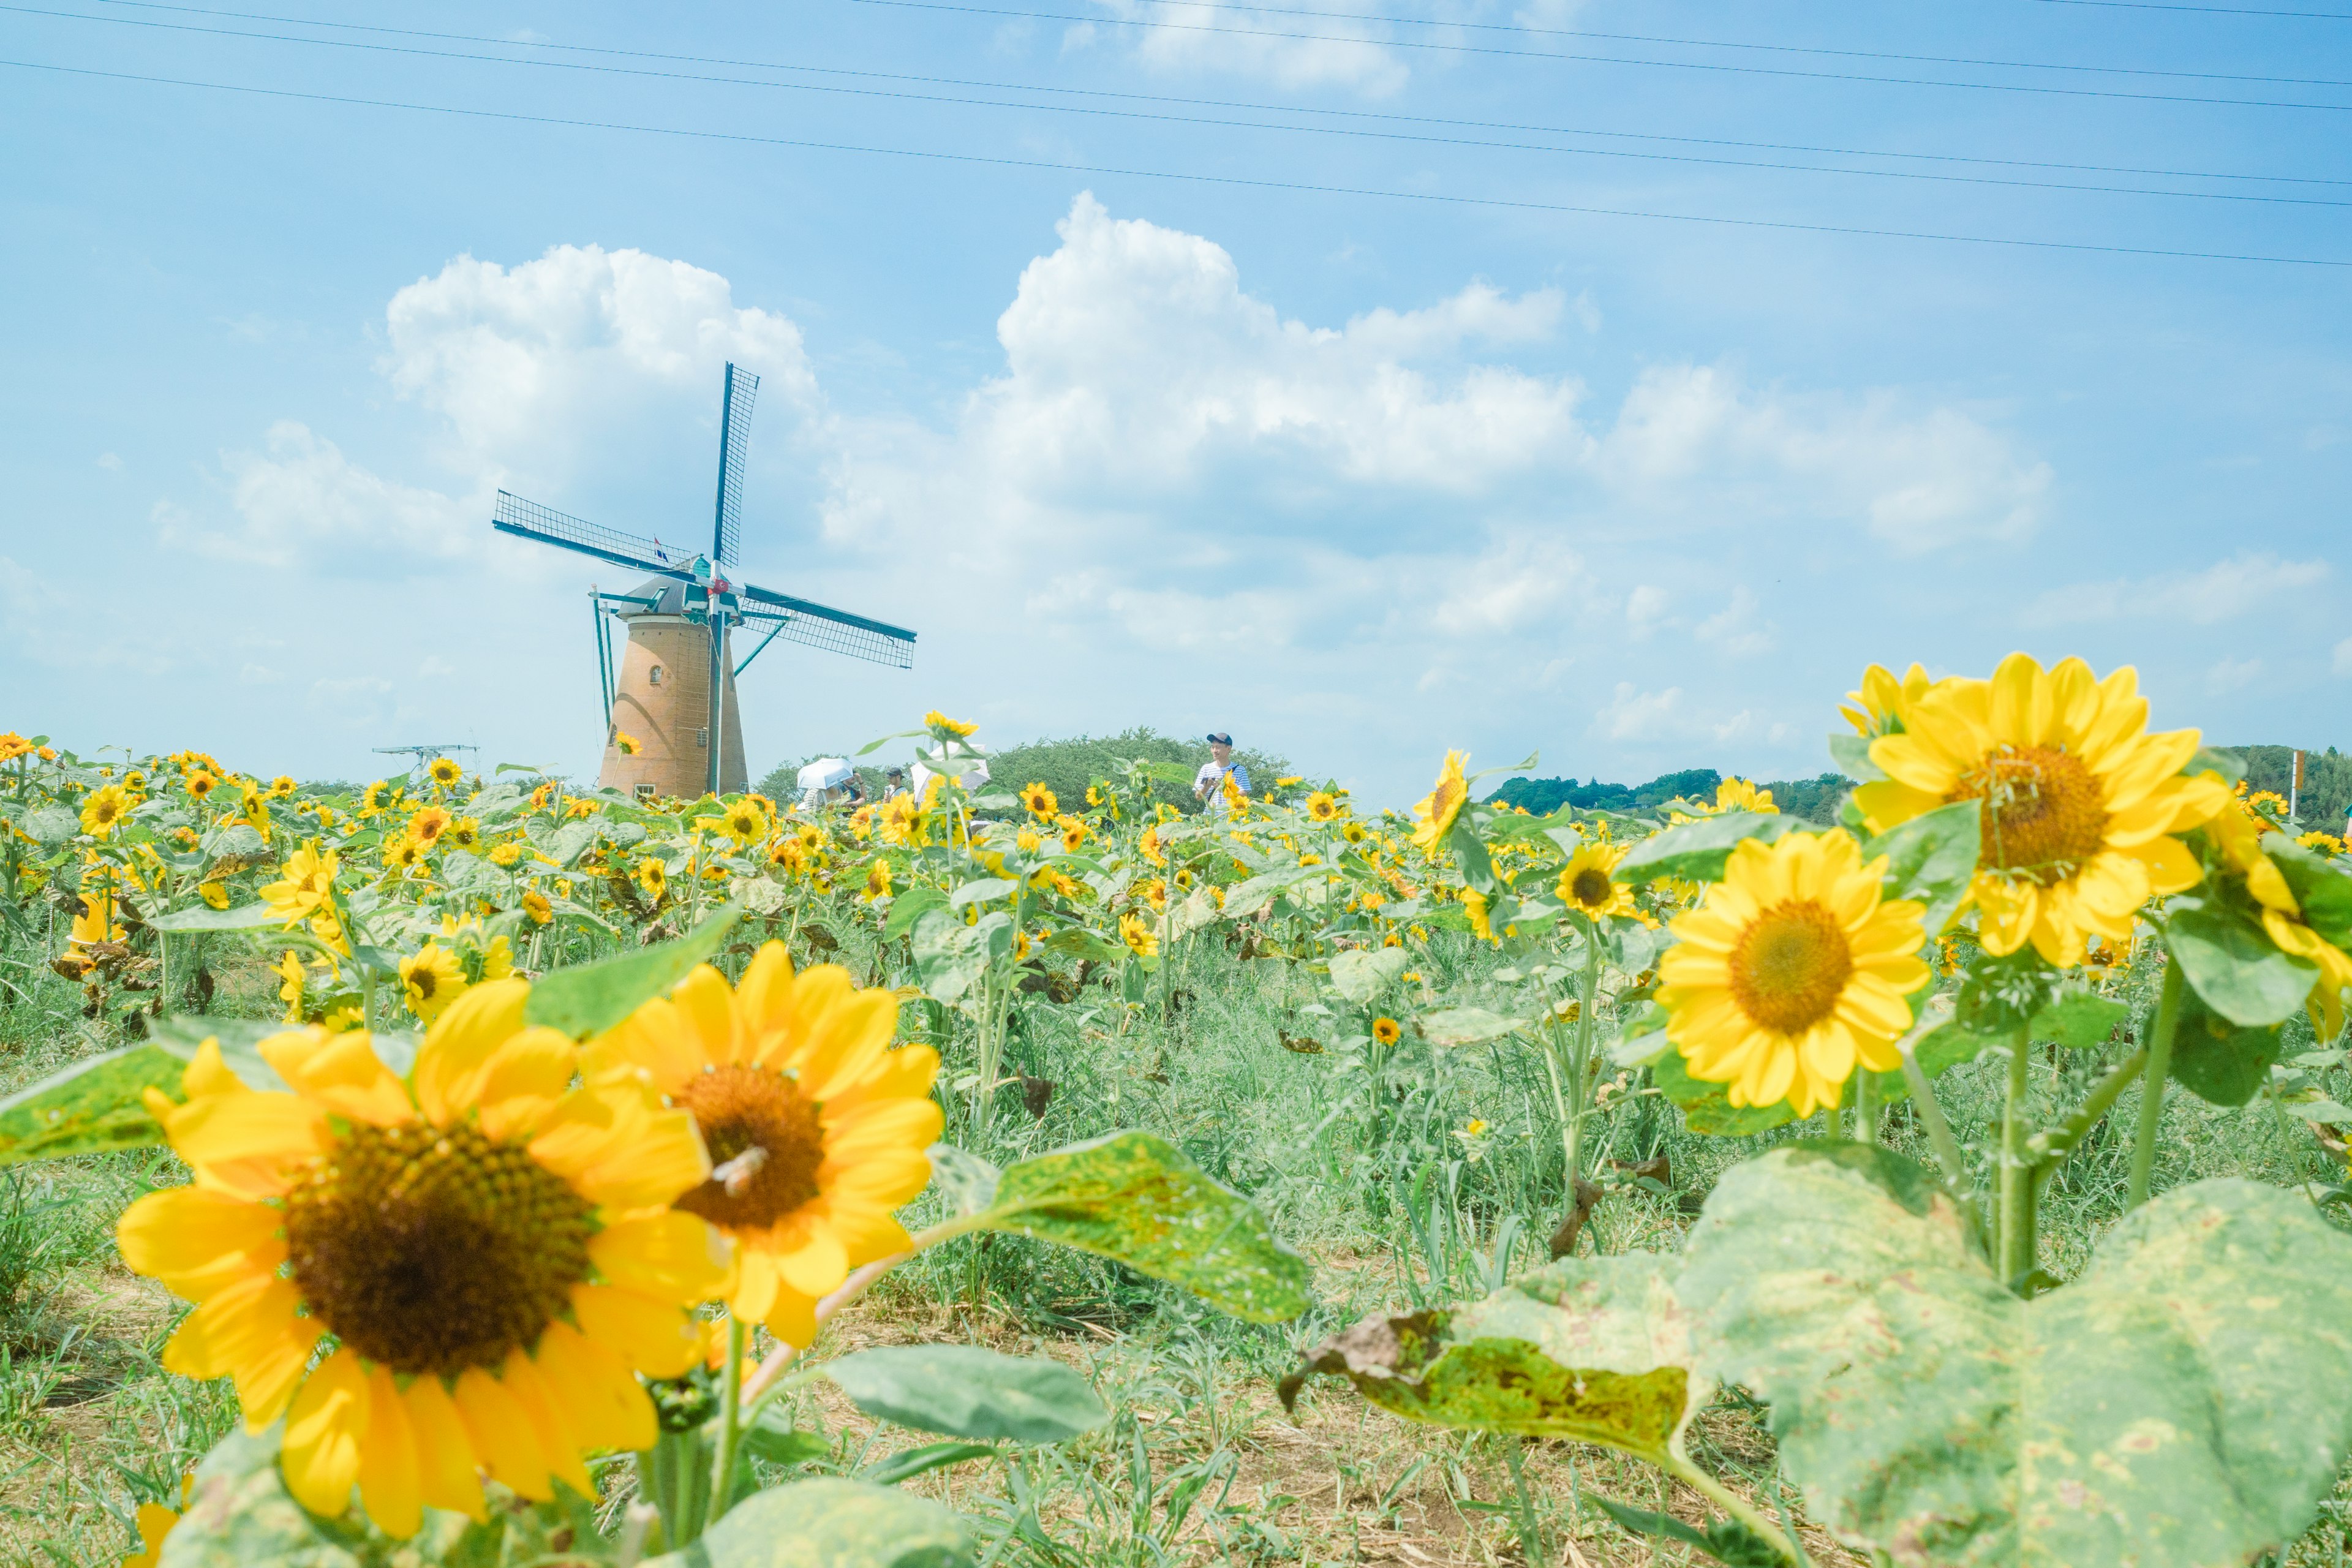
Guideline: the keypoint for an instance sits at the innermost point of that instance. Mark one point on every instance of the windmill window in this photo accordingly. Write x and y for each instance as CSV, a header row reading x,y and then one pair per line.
x,y
645,792
703,738
655,678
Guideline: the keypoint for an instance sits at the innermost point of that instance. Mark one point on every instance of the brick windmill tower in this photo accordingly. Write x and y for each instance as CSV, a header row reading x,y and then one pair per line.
x,y
675,694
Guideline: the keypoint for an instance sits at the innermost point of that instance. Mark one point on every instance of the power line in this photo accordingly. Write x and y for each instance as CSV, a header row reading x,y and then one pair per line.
x,y
1219,103
1454,47
1242,182
2206,10
1179,119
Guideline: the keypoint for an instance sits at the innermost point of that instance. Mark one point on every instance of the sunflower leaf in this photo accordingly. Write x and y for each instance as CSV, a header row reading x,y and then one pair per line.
x,y
1138,1199
1852,754
96,1104
1931,859
247,917
910,906
828,1522
1465,1026
1707,1110
2217,1061
1359,975
963,1390
1697,851
2233,963
594,997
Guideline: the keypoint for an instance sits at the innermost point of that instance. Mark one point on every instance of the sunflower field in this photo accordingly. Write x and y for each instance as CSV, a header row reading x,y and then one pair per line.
x,y
482,1170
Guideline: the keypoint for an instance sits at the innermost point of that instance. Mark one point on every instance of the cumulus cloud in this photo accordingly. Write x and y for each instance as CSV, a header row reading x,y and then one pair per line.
x,y
1289,51
2342,662
301,500
2221,592
2232,674
1737,629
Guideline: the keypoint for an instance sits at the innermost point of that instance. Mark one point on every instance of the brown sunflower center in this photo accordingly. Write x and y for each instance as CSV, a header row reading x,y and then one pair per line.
x,y
1591,887
1789,967
432,1250
2042,813
765,1141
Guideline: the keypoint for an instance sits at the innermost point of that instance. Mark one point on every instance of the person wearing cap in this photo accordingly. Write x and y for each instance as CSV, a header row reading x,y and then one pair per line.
x,y
1221,767
894,783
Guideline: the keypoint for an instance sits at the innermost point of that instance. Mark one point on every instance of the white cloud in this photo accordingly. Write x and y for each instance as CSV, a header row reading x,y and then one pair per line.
x,y
2231,674
2221,592
1641,716
1736,629
1290,52
356,702
258,675
2343,656
301,500
109,461
1645,610
434,664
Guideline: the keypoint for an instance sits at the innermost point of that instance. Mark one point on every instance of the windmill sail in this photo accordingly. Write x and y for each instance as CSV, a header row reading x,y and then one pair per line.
x,y
529,520
734,440
821,626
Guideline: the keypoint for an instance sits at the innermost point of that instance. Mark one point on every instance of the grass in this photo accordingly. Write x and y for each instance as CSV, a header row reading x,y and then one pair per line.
x,y
1200,1464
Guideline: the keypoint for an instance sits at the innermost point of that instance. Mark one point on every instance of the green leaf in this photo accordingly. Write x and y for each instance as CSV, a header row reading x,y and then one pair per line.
x,y
240,1515
1931,858
985,891
1696,851
951,956
202,916
1359,975
910,906
240,1040
1942,1049
828,1523
962,1390
2079,1020
1079,943
94,1105
1465,1026
2187,1401
1595,1350
2233,963
1852,754
2219,1062
52,826
1727,1540
913,1462
1136,1198
2322,888
594,997
774,1438
1707,1110
2228,764
965,1180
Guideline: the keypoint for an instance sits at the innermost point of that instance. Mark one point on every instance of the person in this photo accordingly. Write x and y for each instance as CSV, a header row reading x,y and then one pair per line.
x,y
894,783
821,783
1221,767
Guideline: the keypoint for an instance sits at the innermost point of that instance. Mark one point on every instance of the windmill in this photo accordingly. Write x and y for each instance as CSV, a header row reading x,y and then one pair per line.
x,y
675,694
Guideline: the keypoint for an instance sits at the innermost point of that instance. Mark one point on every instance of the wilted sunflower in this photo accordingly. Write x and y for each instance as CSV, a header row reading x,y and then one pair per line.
x,y
1140,939
432,978
488,1246
2077,800
445,772
816,1129
1434,813
1040,801
102,810
1588,882
1793,971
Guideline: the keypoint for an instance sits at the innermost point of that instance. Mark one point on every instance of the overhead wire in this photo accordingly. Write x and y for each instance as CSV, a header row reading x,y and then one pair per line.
x,y
1453,47
1236,180
2205,10
1159,116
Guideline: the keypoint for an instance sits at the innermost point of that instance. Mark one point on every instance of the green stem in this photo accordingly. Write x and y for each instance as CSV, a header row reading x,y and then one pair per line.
x,y
2151,1095
730,1426
1865,1105
2016,1185
1568,1124
1577,1086
1678,1465
2050,1146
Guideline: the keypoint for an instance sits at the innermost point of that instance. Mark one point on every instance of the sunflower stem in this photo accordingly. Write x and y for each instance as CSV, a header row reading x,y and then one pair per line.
x,y
2151,1094
2017,1249
1580,1086
1760,1524
730,1427
1865,1105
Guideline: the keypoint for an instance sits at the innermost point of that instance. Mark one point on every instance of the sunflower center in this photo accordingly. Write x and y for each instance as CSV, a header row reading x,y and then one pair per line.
x,y
1591,888
2042,812
765,1141
1789,967
431,1251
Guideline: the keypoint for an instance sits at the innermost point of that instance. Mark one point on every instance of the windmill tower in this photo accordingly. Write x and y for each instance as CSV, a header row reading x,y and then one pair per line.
x,y
675,693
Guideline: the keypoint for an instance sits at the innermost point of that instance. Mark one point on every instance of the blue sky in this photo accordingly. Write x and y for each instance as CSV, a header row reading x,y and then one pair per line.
x,y
1277,447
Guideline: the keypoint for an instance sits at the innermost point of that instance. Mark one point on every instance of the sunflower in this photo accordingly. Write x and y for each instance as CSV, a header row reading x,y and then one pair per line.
x,y
94,923
465,832
506,854
816,1129
428,824
372,798
404,853
945,727
877,881
1354,832
1040,801
488,1246
1474,904
2077,800
13,745
255,810
1884,704
789,854
103,810
290,970
1740,795
215,893
282,787
1387,1031
1588,882
201,783
305,884
1140,939
653,878
1324,807
535,905
1437,811
433,979
2238,832
1792,972
154,1521
445,772
1151,845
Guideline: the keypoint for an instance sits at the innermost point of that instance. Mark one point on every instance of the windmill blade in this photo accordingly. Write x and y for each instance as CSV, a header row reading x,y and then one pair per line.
x,y
529,520
835,631
742,390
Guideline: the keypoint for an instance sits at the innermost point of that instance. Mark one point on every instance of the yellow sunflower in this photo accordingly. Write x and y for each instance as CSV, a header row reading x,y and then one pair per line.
x,y
465,832
201,783
1387,1031
489,1247
1740,795
282,787
816,1129
371,799
653,878
877,881
1793,971
427,825
1324,807
1437,811
2239,833
941,725
290,970
2077,801
445,772
1073,835
627,744
1140,939
1040,801
103,810
1882,704
432,978
154,1521
305,884
535,904
1587,883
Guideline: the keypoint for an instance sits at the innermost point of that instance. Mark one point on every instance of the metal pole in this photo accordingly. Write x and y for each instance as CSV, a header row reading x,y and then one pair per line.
x,y
718,689
2294,789
603,659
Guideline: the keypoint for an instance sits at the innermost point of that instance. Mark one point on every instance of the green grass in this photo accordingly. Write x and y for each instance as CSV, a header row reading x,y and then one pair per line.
x,y
1374,1180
